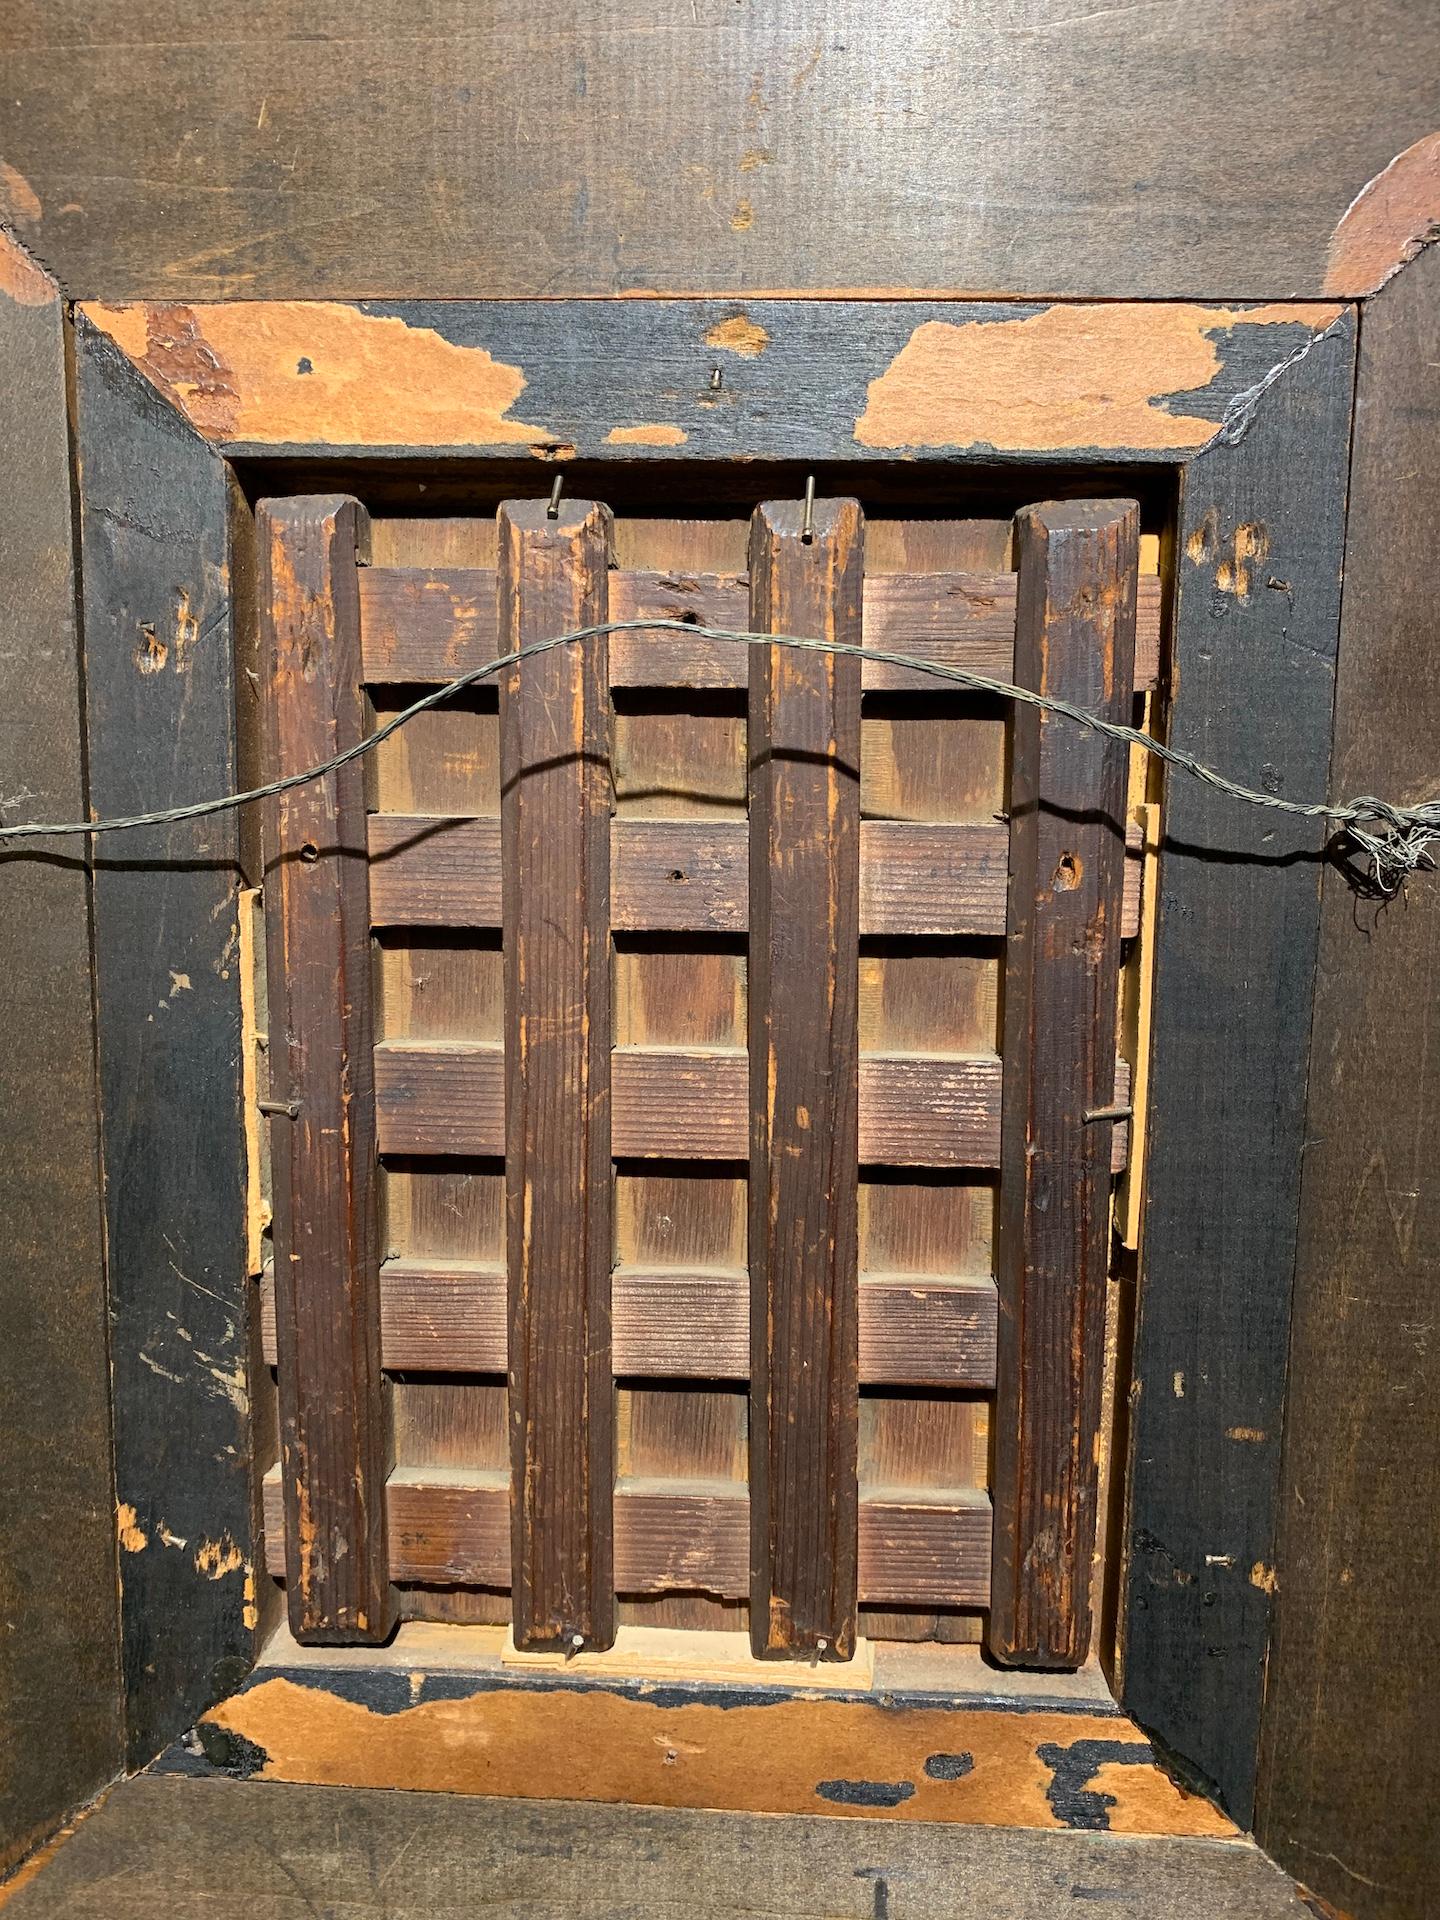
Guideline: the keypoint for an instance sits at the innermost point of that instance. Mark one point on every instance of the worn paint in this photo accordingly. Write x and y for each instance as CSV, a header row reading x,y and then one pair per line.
x,y
319,373
670,1747
738,333
650,434
132,1536
1066,377
20,279
1387,223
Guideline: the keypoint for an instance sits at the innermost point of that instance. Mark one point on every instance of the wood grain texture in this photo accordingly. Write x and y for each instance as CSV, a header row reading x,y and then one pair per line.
x,y
184,1844
334,1434
691,875
291,188
802,984
689,1103
449,1316
1075,640
60,1697
1350,1779
426,625
555,830
451,1527
159,522
1259,542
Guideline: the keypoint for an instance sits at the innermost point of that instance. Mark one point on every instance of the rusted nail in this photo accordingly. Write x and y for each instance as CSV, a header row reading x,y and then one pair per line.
x,y
1109,1113
552,512
289,1108
807,525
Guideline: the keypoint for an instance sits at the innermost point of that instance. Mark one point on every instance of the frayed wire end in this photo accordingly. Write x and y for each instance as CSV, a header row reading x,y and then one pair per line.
x,y
1394,842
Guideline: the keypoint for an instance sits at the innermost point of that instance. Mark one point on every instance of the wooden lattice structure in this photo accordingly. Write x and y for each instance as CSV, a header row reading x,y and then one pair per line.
x,y
655,1004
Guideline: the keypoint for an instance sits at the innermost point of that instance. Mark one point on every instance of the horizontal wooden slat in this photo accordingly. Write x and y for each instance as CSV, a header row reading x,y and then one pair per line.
x,y
691,875
448,1316
676,1103
451,1527
428,625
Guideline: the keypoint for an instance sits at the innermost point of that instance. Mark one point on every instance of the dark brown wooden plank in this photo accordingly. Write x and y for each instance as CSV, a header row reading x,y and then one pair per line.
x,y
1075,640
802,995
60,1693
1350,1774
450,1527
333,1411
690,875
165,540
425,625
916,1110
448,1316
555,829
1234,982
1180,178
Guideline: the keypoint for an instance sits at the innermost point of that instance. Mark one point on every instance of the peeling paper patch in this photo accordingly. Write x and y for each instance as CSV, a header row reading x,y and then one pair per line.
x,y
651,434
319,374
1388,222
1066,377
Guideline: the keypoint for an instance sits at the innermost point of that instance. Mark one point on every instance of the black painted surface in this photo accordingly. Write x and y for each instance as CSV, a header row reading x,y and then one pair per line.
x,y
1262,523
160,714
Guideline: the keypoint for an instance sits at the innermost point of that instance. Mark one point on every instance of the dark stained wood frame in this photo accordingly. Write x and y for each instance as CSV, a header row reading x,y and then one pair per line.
x,y
171,397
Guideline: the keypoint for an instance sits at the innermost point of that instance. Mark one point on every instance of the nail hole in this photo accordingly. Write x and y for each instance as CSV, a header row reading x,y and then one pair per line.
x,y
1067,873
676,873
309,851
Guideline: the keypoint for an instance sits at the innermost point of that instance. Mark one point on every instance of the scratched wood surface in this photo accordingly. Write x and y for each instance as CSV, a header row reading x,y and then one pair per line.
x,y
773,150
60,1694
802,979
1075,639
334,1416
1350,1776
555,730
165,534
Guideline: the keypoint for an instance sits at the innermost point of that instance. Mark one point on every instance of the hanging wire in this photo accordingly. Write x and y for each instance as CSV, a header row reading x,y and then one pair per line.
x,y
1395,841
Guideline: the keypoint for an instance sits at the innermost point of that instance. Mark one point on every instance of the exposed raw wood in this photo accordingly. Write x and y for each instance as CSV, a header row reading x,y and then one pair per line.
x,y
555,831
916,1110
695,1657
452,1527
802,981
430,624
333,1414
690,875
1075,641
448,1316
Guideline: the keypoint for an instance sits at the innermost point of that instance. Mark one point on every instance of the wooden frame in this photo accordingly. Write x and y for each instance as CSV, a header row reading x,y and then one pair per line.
x,y
1251,406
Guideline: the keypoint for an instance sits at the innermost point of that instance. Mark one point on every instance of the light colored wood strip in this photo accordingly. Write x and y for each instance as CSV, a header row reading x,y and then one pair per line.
x,y
451,1527
690,875
429,624
448,1316
679,1103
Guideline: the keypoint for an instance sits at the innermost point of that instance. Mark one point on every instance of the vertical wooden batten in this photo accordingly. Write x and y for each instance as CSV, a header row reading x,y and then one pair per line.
x,y
1075,639
333,1416
803,986
556,804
